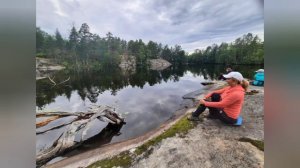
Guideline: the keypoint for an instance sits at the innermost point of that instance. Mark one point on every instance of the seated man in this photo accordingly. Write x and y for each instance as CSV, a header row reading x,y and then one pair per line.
x,y
228,70
226,103
259,78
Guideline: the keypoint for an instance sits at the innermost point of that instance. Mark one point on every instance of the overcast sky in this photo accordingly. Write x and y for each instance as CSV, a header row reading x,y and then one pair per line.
x,y
190,23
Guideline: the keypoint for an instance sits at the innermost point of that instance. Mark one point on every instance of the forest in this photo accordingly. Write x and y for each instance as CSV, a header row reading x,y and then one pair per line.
x,y
85,49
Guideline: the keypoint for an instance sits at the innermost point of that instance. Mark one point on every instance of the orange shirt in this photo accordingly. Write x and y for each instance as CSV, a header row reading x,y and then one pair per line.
x,y
232,99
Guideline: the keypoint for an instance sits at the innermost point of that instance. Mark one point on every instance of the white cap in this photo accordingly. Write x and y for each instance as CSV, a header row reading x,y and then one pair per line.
x,y
260,70
236,75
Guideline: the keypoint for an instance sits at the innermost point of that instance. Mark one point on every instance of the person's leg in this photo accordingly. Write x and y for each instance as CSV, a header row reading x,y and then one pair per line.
x,y
213,112
224,118
199,110
215,97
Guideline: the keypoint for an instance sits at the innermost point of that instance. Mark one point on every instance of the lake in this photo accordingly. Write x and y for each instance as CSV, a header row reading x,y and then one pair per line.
x,y
146,98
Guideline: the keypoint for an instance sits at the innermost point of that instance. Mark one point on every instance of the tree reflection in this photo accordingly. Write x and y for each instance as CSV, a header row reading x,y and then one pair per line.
x,y
90,84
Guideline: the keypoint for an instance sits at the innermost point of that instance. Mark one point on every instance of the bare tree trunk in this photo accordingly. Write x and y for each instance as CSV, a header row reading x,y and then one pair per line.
x,y
81,124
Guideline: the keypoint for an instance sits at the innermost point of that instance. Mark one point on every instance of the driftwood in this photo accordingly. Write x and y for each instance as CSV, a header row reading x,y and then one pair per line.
x,y
55,84
79,124
45,122
207,83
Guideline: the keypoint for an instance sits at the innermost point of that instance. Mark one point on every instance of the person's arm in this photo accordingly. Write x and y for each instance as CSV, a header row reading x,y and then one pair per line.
x,y
220,91
228,100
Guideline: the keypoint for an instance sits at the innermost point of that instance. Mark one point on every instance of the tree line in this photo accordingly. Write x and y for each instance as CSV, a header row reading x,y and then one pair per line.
x,y
247,49
83,48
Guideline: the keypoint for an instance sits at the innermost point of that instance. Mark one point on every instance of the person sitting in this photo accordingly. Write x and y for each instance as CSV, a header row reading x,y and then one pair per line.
x,y
228,70
259,78
224,104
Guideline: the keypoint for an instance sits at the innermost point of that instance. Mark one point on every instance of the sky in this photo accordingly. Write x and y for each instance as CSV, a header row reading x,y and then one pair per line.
x,y
192,24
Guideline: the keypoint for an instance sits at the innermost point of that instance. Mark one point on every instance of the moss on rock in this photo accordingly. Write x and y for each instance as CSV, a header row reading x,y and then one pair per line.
x,y
181,127
257,143
123,160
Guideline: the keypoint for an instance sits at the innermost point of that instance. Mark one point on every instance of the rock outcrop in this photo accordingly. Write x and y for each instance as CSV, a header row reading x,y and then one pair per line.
x,y
44,67
128,64
159,64
213,144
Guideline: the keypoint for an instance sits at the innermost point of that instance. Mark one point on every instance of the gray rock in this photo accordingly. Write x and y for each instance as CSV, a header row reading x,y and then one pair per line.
x,y
213,144
159,64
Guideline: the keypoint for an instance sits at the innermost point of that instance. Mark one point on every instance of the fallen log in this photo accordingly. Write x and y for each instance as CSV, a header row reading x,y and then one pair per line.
x,y
78,125
207,83
61,114
55,124
45,122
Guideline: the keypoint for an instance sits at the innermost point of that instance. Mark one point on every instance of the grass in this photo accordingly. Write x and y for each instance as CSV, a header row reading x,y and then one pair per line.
x,y
125,159
257,143
181,127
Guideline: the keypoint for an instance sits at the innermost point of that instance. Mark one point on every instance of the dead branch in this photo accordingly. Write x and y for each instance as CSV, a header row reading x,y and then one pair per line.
x,y
41,131
64,81
79,125
61,114
54,83
43,123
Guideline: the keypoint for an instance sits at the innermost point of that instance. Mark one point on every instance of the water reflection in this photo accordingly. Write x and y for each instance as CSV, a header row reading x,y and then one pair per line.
x,y
146,98
104,137
89,84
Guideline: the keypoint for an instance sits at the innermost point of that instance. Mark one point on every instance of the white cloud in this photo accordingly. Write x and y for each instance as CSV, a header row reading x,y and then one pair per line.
x,y
58,9
190,23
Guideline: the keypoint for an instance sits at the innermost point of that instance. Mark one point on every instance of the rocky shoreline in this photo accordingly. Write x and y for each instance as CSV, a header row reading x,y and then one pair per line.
x,y
208,143
213,144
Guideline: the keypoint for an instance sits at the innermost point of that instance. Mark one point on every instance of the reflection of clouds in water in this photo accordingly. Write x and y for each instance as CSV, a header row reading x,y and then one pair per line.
x,y
44,141
152,105
76,106
62,103
147,107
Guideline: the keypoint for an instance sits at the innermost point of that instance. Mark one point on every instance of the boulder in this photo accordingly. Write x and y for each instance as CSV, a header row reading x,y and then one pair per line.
x,y
159,64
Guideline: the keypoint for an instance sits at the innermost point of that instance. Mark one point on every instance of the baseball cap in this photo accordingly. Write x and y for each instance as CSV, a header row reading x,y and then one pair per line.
x,y
236,75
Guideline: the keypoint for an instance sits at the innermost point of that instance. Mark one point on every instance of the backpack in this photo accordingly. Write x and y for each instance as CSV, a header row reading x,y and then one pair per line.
x,y
258,83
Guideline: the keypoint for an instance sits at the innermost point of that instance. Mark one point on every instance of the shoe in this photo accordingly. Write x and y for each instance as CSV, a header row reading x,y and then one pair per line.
x,y
192,118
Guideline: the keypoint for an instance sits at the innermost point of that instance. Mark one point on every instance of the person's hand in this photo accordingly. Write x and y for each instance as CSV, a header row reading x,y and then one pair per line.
x,y
201,101
207,99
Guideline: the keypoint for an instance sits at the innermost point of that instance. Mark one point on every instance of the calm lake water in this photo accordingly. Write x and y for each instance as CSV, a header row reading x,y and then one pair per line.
x,y
146,98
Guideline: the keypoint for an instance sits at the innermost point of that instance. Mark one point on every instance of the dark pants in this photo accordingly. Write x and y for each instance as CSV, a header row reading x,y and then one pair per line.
x,y
215,112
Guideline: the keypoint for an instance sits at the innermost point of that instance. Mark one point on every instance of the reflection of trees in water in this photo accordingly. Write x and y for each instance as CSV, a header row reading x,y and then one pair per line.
x,y
89,84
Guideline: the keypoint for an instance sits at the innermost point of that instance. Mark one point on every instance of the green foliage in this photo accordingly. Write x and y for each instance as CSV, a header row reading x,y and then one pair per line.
x,y
41,55
83,47
244,50
40,39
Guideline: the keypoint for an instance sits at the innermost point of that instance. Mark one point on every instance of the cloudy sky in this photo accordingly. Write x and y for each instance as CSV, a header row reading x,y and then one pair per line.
x,y
190,23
